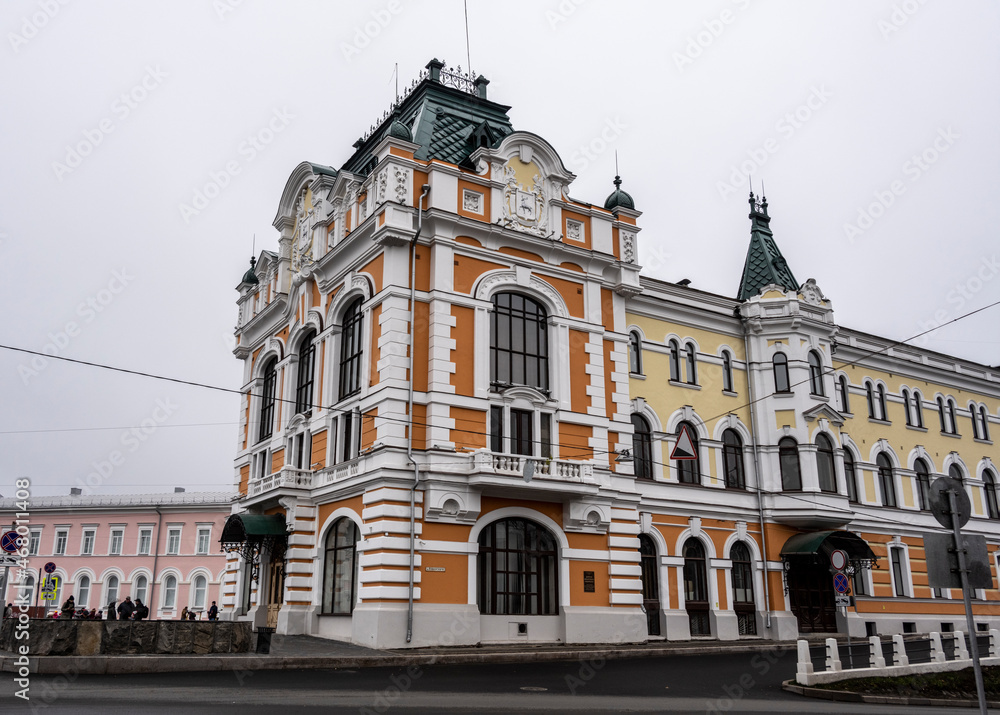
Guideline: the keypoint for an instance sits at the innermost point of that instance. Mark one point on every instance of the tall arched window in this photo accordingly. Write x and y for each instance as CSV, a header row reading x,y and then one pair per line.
x,y
267,399
519,343
340,571
990,487
199,589
689,470
351,350
110,590
870,396
842,389
691,360
952,419
883,408
923,484
83,591
825,465
788,457
675,361
955,472
779,364
974,416
650,583
170,591
816,373
906,407
732,460
642,447
634,353
139,588
727,372
743,600
306,369
696,588
518,569
984,417
850,476
941,415
918,410
886,481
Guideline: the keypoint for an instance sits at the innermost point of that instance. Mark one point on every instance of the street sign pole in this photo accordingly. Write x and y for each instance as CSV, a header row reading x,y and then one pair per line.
x,y
964,575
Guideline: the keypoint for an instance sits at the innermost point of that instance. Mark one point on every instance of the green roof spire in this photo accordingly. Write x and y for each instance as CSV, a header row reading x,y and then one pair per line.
x,y
764,265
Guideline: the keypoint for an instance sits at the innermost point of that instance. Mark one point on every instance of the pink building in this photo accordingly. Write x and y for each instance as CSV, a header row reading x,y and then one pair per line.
x,y
161,548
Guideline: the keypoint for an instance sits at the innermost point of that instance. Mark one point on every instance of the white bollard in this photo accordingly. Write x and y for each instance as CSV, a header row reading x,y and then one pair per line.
x,y
875,646
899,656
994,643
937,652
832,655
804,669
961,651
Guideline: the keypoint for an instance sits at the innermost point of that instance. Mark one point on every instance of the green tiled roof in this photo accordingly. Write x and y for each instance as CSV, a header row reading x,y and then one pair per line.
x,y
764,264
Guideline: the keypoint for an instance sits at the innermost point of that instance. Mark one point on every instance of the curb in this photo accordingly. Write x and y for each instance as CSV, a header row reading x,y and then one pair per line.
x,y
131,664
850,697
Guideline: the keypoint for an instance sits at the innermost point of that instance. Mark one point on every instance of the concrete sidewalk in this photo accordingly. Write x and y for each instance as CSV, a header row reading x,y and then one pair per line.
x,y
307,652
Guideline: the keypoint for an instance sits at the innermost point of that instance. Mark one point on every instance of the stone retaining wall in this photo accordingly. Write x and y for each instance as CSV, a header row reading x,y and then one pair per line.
x,y
59,637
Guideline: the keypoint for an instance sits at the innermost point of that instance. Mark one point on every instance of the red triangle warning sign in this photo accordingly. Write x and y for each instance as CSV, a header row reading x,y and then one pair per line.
x,y
684,449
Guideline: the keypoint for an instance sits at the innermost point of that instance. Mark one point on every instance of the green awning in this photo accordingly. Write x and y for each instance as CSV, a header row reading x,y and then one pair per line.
x,y
822,543
253,527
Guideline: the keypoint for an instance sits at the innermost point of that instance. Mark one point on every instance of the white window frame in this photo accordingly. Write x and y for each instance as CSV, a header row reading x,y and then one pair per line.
x,y
194,592
120,532
82,602
174,550
904,565
148,532
506,443
206,530
88,532
170,604
34,541
64,534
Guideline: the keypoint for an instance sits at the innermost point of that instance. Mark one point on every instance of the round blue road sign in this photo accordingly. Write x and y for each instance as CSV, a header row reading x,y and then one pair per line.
x,y
840,583
8,542
50,567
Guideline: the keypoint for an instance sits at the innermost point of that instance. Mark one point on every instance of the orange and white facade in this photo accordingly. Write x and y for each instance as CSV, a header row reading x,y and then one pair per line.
x,y
518,506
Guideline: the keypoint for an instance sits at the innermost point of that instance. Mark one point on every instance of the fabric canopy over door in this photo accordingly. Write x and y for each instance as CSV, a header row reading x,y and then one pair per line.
x,y
820,544
250,534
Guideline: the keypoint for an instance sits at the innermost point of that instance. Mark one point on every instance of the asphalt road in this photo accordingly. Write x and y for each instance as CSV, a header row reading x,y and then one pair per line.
x,y
735,683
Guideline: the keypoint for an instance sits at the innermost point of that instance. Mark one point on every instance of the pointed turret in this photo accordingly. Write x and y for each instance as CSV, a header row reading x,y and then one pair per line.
x,y
764,265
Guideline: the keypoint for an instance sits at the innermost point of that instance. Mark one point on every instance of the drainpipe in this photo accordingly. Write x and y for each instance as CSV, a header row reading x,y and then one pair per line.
x,y
156,554
756,466
409,433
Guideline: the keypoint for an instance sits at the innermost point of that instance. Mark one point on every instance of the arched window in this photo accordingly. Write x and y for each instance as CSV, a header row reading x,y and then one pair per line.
x,y
955,472
696,588
974,415
883,409
200,589
650,583
642,447
824,464
984,417
351,350
634,353
850,477
780,365
518,569
845,404
788,457
519,343
83,591
170,591
304,379
139,588
990,487
689,470
816,374
923,484
743,600
885,479
340,570
941,415
675,361
267,399
727,372
690,357
952,420
918,410
870,395
732,460
110,590
906,407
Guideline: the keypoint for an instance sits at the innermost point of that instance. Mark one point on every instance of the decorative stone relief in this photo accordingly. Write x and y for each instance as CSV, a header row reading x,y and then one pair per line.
x,y
524,208
628,246
574,230
402,179
380,186
811,293
472,201
302,239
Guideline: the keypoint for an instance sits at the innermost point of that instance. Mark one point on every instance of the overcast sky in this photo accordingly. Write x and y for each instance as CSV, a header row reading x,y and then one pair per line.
x,y
873,126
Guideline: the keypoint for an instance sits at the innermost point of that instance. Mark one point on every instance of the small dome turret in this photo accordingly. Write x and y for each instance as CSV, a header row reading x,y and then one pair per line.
x,y
619,198
251,275
399,130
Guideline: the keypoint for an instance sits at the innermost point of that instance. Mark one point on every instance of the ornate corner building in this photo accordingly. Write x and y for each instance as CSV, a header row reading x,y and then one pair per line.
x,y
464,409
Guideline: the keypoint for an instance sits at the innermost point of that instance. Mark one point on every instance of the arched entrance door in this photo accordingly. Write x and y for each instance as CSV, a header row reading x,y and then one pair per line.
x,y
650,584
696,588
